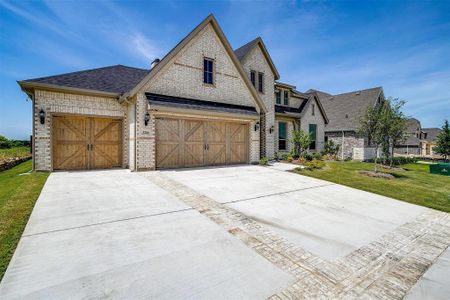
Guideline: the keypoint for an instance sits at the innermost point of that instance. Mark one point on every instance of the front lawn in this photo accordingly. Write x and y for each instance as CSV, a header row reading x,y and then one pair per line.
x,y
18,193
414,185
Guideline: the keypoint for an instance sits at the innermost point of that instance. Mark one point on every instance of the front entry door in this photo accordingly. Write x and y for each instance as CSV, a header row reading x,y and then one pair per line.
x,y
81,143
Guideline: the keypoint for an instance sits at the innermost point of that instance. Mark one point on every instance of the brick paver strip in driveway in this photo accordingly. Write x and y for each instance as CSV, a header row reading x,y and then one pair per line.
x,y
385,268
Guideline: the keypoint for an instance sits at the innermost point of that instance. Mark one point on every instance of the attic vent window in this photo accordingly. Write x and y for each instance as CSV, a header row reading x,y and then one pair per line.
x,y
346,116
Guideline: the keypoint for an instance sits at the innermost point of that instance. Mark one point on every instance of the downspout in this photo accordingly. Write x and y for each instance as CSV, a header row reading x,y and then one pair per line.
x,y
342,152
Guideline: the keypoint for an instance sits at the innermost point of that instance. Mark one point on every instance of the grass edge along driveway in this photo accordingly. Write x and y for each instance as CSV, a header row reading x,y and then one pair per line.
x,y
414,185
18,194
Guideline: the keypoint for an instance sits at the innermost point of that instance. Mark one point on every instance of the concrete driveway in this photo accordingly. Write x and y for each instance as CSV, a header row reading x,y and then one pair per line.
x,y
233,232
114,234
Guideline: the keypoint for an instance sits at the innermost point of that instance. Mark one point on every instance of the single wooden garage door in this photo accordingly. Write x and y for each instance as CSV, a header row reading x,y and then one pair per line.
x,y
81,143
193,143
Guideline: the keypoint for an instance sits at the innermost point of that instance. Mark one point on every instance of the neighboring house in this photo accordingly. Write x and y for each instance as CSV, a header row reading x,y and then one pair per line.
x,y
411,145
297,111
429,136
344,111
195,107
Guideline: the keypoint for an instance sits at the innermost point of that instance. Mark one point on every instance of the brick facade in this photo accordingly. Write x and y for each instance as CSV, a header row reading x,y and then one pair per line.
x,y
54,103
183,77
256,61
308,118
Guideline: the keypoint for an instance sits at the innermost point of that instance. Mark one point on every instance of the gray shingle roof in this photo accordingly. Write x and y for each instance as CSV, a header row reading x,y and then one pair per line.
x,y
344,110
432,133
113,79
170,101
242,51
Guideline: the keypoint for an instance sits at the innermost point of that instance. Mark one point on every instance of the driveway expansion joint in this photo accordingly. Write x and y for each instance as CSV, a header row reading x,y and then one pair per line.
x,y
385,268
106,222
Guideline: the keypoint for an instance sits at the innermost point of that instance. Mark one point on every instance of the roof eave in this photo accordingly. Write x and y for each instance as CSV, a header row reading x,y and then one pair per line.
x,y
27,85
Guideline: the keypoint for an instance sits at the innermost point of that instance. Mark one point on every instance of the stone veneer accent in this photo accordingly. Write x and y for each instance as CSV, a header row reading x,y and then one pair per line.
x,y
54,103
351,140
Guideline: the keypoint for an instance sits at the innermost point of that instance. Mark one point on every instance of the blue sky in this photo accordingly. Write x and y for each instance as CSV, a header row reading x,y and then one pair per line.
x,y
336,47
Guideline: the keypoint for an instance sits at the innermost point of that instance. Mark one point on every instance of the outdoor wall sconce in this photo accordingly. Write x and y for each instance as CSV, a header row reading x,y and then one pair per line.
x,y
272,129
256,126
146,118
42,116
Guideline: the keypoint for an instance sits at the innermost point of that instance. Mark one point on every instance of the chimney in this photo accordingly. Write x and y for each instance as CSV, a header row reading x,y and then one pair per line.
x,y
154,63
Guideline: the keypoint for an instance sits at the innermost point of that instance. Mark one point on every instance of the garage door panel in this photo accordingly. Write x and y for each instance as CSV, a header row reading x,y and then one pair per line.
x,y
70,143
238,143
168,155
106,143
199,143
216,140
81,142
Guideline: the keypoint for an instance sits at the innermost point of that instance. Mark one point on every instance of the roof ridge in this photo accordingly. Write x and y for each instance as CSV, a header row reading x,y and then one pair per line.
x,y
355,91
83,71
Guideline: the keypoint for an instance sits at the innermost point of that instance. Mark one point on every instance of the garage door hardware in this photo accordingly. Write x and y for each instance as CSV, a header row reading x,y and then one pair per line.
x,y
90,147
206,147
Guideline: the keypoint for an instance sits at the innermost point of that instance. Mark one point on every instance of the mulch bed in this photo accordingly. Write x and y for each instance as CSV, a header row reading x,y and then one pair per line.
x,y
377,174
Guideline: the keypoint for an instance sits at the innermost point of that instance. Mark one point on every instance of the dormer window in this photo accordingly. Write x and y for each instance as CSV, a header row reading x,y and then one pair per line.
x,y
286,98
253,77
208,71
261,82
277,97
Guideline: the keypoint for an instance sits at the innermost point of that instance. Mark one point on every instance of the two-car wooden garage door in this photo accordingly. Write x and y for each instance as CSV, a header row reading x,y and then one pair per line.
x,y
81,142
191,143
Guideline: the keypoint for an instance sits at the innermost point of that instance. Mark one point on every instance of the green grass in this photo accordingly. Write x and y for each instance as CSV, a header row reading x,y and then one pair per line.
x,y
14,152
415,185
17,197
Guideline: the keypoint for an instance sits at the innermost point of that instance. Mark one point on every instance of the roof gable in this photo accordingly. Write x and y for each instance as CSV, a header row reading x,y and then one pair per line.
x,y
210,20
243,51
306,104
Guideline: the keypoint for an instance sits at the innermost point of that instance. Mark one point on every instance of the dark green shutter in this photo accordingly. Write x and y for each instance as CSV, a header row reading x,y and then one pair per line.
x,y
312,131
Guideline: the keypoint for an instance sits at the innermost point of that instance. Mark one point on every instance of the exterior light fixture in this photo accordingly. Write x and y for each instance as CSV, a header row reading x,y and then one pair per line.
x,y
146,118
256,126
42,116
272,129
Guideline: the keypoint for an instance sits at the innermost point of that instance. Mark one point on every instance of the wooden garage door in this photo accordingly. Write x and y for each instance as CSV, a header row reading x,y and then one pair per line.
x,y
192,143
81,143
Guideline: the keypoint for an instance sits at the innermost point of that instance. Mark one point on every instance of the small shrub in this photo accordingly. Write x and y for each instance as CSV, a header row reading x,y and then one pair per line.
x,y
263,161
314,164
308,156
290,158
284,156
347,159
301,161
316,155
330,148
